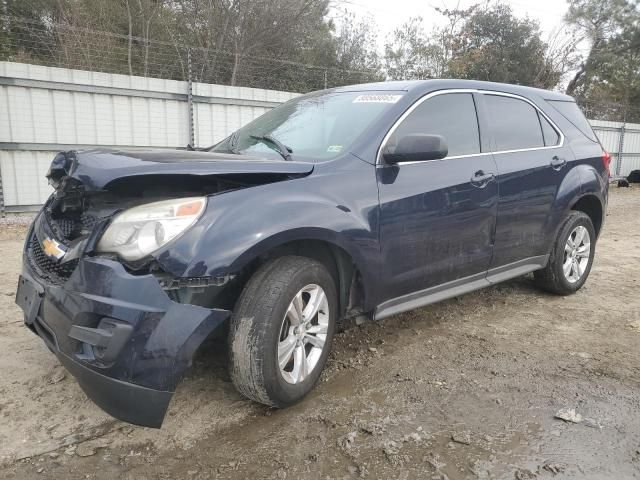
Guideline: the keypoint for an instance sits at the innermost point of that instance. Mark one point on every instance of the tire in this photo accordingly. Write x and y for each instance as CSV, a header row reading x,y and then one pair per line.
x,y
263,326
553,278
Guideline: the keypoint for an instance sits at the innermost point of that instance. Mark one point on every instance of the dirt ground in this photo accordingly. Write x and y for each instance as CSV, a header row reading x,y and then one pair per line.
x,y
468,388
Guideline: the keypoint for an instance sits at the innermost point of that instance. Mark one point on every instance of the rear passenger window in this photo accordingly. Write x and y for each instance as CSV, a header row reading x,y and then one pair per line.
x,y
515,123
452,115
549,133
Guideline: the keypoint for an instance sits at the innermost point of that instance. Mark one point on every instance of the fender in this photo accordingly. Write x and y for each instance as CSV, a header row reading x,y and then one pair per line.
x,y
366,268
582,180
593,182
239,226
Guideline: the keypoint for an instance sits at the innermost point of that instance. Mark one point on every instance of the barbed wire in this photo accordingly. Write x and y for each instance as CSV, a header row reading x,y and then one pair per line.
x,y
68,46
182,46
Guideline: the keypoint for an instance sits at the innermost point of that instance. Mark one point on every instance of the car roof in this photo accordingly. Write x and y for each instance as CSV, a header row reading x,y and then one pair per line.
x,y
425,86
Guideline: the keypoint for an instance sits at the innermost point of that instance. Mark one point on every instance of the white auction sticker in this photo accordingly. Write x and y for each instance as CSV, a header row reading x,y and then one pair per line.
x,y
371,98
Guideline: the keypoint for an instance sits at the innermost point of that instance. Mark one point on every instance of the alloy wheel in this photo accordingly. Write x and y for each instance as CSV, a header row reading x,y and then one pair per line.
x,y
303,334
577,252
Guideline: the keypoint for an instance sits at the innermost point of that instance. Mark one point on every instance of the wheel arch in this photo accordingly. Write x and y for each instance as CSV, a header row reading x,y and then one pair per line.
x,y
583,190
347,269
339,263
591,205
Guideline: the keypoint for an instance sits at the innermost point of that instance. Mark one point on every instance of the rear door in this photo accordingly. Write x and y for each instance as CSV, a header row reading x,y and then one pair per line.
x,y
532,162
437,217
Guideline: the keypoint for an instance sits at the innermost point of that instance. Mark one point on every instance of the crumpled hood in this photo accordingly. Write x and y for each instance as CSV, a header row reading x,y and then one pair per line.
x,y
95,169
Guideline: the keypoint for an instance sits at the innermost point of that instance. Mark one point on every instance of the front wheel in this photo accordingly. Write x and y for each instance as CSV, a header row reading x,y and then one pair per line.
x,y
571,257
281,330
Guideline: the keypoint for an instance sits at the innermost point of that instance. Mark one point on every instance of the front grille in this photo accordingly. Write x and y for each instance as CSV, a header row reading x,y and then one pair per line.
x,y
66,226
45,267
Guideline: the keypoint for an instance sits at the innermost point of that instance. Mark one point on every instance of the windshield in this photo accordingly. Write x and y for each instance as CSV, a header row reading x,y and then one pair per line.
x,y
313,127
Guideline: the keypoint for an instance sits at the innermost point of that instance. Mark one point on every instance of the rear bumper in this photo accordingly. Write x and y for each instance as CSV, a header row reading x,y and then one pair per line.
x,y
124,340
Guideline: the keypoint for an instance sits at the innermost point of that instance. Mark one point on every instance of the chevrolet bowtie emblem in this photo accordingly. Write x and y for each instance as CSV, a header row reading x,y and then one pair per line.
x,y
52,248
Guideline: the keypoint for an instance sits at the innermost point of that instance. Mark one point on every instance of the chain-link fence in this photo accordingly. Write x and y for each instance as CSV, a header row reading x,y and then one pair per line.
x,y
59,45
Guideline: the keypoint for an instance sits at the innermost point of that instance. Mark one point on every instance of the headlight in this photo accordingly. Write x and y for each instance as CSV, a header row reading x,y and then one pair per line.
x,y
140,231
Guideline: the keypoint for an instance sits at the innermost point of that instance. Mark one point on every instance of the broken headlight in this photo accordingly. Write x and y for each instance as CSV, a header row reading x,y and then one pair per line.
x,y
140,231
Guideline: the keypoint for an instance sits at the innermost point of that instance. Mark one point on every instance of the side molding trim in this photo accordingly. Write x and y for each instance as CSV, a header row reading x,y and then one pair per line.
x,y
516,269
458,287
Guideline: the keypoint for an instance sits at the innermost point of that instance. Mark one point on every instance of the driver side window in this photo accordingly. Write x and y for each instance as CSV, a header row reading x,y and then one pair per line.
x,y
452,115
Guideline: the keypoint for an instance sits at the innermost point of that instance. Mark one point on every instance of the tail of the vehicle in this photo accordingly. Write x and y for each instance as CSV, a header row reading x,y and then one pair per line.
x,y
571,111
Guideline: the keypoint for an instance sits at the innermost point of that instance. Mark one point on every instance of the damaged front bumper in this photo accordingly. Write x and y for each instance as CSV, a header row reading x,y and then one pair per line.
x,y
124,340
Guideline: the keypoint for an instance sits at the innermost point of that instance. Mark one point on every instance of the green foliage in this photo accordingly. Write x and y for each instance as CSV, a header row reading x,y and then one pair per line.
x,y
610,72
279,44
410,54
487,43
355,46
295,44
494,45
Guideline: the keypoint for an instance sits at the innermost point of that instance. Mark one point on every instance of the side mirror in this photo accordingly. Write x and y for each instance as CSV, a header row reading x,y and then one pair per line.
x,y
416,147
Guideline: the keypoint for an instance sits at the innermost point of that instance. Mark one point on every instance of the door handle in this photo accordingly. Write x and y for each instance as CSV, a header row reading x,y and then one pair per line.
x,y
557,163
481,179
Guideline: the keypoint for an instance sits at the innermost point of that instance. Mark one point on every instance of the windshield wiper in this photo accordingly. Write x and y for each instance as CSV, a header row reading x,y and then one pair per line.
x,y
231,144
281,148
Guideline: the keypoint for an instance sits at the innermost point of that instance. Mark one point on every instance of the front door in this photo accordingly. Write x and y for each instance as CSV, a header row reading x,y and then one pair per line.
x,y
437,217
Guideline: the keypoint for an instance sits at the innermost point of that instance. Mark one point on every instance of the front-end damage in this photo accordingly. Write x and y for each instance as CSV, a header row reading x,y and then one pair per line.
x,y
126,342
127,330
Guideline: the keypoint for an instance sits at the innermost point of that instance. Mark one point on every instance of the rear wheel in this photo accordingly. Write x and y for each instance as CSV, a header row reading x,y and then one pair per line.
x,y
281,330
571,257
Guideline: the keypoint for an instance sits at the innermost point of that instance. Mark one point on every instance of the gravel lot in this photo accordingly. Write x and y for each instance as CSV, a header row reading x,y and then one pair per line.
x,y
468,388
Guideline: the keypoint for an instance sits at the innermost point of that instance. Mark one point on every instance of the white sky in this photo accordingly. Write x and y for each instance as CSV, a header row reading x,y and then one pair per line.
x,y
388,14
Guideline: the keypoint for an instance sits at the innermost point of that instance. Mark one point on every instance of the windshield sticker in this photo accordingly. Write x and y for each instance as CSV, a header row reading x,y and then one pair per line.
x,y
334,148
377,98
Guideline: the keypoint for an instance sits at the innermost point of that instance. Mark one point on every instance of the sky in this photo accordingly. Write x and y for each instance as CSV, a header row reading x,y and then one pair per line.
x,y
388,14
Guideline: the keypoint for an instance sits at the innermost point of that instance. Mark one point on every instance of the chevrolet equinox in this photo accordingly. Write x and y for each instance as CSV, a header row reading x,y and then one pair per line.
x,y
367,200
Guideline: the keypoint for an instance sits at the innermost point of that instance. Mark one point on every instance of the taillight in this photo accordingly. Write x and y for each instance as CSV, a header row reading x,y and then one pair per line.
x,y
606,160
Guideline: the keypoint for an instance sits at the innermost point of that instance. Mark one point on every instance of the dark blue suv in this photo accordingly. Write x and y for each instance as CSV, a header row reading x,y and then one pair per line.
x,y
366,200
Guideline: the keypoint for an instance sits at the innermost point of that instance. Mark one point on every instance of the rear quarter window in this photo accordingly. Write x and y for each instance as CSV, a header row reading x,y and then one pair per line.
x,y
572,112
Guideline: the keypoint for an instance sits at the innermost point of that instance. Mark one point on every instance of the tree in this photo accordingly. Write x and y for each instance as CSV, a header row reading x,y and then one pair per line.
x,y
494,45
258,43
448,35
610,71
269,43
561,54
21,25
595,21
410,54
356,57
